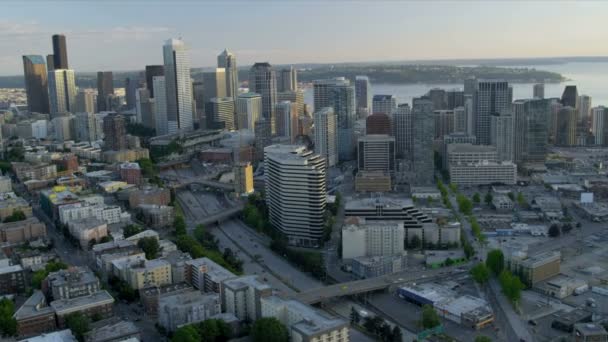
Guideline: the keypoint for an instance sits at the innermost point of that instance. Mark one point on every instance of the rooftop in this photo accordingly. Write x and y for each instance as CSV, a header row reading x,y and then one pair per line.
x,y
34,306
212,269
112,330
385,201
246,281
11,269
192,297
56,336
66,306
542,258
73,275
589,329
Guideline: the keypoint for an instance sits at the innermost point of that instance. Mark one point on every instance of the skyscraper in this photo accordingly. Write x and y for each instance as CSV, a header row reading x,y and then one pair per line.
x,y
339,94
600,126
287,120
501,134
131,86
178,86
85,126
151,71
566,126
296,193
60,52
287,80
422,147
248,110
376,152
570,97
538,91
384,104
62,91
326,139
115,132
460,120
585,113
85,101
227,60
531,130
378,123
444,122
439,98
160,105
263,80
402,131
363,94
50,62
490,97
221,113
454,99
36,84
105,88
263,137
296,97
214,86
145,108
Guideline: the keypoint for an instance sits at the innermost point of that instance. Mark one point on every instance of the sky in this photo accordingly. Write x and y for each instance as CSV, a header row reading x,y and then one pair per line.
x,y
121,35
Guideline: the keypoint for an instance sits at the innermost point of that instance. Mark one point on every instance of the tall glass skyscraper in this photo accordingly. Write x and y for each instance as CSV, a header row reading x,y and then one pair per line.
x,y
422,148
36,86
531,129
490,97
105,88
60,52
263,80
227,60
178,86
363,90
62,91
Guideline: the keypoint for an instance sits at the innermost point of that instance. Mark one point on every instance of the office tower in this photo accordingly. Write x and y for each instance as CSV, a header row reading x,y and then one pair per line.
x,y
470,85
263,136
566,127
490,97
248,110
454,99
145,108
214,86
402,131
599,126
63,127
555,106
60,52
287,80
585,105
151,71
570,97
160,105
423,127
363,94
296,97
296,193
105,88
469,114
384,104
131,86
438,97
444,122
376,152
501,135
326,139
36,86
531,131
538,91
178,86
378,123
221,113
287,120
454,138
227,61
85,101
339,94
85,126
263,80
460,120
50,63
62,91
115,132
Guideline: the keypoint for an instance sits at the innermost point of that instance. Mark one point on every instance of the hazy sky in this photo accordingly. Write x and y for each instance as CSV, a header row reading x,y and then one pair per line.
x,y
121,35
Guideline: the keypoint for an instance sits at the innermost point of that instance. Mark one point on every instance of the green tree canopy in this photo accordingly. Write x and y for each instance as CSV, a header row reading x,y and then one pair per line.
x,y
186,333
269,329
476,198
8,325
488,198
150,246
79,324
179,224
214,330
131,230
430,319
482,338
495,261
480,273
17,215
511,285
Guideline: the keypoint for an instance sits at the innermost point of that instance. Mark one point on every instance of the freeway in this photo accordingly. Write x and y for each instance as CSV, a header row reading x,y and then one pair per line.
x,y
203,181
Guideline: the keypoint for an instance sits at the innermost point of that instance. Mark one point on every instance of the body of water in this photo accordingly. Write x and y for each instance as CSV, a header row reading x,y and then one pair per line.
x,y
590,78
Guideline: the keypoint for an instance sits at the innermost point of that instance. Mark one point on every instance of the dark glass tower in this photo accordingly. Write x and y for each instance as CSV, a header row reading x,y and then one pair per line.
x,y
36,86
105,88
60,52
151,71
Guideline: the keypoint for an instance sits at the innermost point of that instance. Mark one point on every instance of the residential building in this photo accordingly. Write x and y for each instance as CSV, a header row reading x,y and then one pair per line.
x,y
35,316
376,266
205,275
491,97
12,280
287,120
287,80
296,192
377,238
27,171
536,268
422,146
363,96
60,52
5,184
22,231
484,173
85,230
187,308
227,61
263,80
402,131
98,304
85,127
589,332
243,179
242,296
150,296
178,86
130,173
220,113
384,104
115,132
105,89
145,273
113,330
150,195
248,110
36,83
71,283
157,216
502,135
376,153
326,139
62,91
9,203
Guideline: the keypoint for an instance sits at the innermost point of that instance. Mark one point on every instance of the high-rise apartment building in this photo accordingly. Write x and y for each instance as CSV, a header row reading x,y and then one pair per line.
x,y
263,136
36,84
402,131
296,97
501,134
376,152
422,137
287,80
584,109
296,192
221,113
326,139
384,104
160,105
151,71
531,130
85,101
178,86
287,120
363,95
538,91
105,88
60,52
115,132
227,61
248,110
62,91
85,127
263,80
491,97
599,126
566,124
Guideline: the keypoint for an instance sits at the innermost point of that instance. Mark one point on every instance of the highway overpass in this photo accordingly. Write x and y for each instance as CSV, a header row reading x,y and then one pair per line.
x,y
222,216
205,182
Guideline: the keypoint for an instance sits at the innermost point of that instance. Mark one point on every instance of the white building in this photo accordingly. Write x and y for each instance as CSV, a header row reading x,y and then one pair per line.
x,y
377,238
85,230
248,110
326,139
241,297
296,192
484,173
187,308
178,86
40,129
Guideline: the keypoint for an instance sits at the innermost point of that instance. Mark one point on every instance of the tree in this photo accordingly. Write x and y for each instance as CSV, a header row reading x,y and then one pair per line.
x,y
480,273
488,198
476,198
8,325
430,319
92,242
79,324
464,204
448,262
415,242
482,338
521,200
453,187
269,329
355,317
150,246
495,261
105,239
186,333
179,224
554,230
511,196
17,215
397,335
511,286
131,230
214,330
469,251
